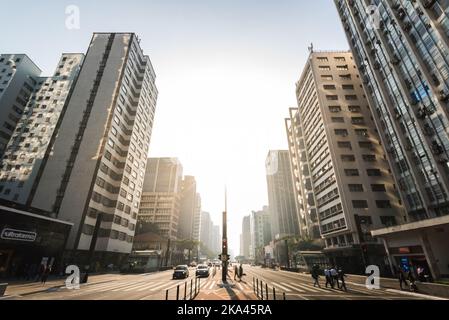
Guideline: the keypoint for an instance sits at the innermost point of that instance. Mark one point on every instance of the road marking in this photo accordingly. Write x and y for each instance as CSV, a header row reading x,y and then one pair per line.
x,y
212,285
138,286
307,288
292,287
418,295
276,285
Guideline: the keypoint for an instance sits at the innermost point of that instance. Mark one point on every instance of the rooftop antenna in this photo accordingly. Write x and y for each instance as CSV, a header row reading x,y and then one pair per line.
x,y
311,47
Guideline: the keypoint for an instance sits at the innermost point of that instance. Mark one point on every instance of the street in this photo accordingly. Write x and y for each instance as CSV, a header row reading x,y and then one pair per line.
x,y
154,286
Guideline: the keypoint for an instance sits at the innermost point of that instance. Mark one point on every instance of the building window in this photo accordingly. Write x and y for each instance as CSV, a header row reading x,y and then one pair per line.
x,y
338,119
341,132
360,204
329,87
355,109
334,109
369,158
322,59
374,172
355,187
332,97
344,145
352,172
324,68
343,67
327,77
348,87
347,158
378,188
383,204
350,97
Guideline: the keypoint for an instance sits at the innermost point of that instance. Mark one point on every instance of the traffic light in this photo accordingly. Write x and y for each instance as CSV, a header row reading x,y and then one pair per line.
x,y
225,244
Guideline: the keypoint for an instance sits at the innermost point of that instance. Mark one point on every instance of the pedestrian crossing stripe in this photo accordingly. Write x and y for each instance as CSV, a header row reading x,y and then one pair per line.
x,y
278,286
292,287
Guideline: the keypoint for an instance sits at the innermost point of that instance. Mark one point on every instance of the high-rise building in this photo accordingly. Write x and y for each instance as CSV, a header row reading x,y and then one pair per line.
x,y
260,223
245,237
205,229
402,50
91,168
339,165
18,77
27,152
161,196
188,214
197,219
216,239
281,195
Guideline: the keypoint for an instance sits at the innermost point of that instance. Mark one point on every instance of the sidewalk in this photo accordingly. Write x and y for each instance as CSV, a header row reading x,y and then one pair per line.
x,y
229,291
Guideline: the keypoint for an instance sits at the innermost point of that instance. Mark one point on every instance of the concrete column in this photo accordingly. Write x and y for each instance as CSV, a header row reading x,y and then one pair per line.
x,y
430,257
390,258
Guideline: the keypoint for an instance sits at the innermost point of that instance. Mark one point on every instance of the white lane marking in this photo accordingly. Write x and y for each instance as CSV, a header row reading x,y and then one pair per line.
x,y
307,288
138,286
292,287
278,286
212,285
418,295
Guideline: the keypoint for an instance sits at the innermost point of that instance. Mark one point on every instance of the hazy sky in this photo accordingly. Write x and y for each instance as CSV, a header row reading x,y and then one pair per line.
x,y
226,73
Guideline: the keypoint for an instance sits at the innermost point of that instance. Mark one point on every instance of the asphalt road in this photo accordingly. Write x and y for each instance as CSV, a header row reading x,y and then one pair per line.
x,y
298,286
153,286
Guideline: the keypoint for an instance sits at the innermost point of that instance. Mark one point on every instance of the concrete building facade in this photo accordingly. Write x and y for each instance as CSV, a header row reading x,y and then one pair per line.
x,y
18,77
161,196
281,195
341,173
403,59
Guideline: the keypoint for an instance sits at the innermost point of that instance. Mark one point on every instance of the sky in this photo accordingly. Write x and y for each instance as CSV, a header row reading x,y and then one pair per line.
x,y
226,74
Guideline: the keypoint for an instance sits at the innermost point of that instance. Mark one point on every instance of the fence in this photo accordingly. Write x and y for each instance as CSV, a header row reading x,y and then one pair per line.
x,y
188,290
264,292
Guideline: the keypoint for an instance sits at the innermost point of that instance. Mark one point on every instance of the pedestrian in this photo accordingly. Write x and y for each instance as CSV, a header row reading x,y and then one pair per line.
x,y
236,272
241,272
46,274
334,276
40,272
412,280
327,274
316,276
341,276
402,279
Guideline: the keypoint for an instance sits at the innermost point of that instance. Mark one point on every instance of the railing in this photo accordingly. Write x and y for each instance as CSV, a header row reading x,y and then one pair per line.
x,y
263,292
188,290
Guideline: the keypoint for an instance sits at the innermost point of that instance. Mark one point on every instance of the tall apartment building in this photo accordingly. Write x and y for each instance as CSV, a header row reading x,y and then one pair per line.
x,y
31,142
92,170
281,195
402,52
260,223
18,75
245,237
161,196
206,229
188,216
340,166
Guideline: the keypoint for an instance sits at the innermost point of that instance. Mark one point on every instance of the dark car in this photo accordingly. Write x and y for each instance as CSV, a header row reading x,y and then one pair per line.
x,y
202,271
181,272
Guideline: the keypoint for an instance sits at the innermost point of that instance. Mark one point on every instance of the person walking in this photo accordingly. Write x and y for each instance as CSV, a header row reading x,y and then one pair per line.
x,y
327,274
241,272
402,279
46,274
341,276
316,276
236,272
334,276
411,279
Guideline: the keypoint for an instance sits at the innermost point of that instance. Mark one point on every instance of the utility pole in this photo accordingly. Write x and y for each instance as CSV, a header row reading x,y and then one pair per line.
x,y
224,253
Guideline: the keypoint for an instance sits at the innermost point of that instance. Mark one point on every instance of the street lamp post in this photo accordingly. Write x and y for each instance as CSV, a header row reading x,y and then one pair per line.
x,y
224,251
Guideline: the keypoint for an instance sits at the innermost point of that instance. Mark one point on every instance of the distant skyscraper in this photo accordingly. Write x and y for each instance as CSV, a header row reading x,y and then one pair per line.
x,y
31,143
197,219
205,229
188,216
260,223
216,239
340,169
18,77
245,243
281,195
160,201
403,58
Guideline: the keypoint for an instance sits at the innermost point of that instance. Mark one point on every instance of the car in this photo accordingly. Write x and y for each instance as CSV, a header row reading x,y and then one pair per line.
x,y
202,271
181,272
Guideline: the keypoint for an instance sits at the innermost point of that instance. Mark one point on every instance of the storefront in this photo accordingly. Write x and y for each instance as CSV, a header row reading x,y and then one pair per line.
x,y
423,244
28,240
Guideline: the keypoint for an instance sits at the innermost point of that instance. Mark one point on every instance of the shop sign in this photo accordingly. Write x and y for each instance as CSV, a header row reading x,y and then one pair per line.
x,y
18,235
